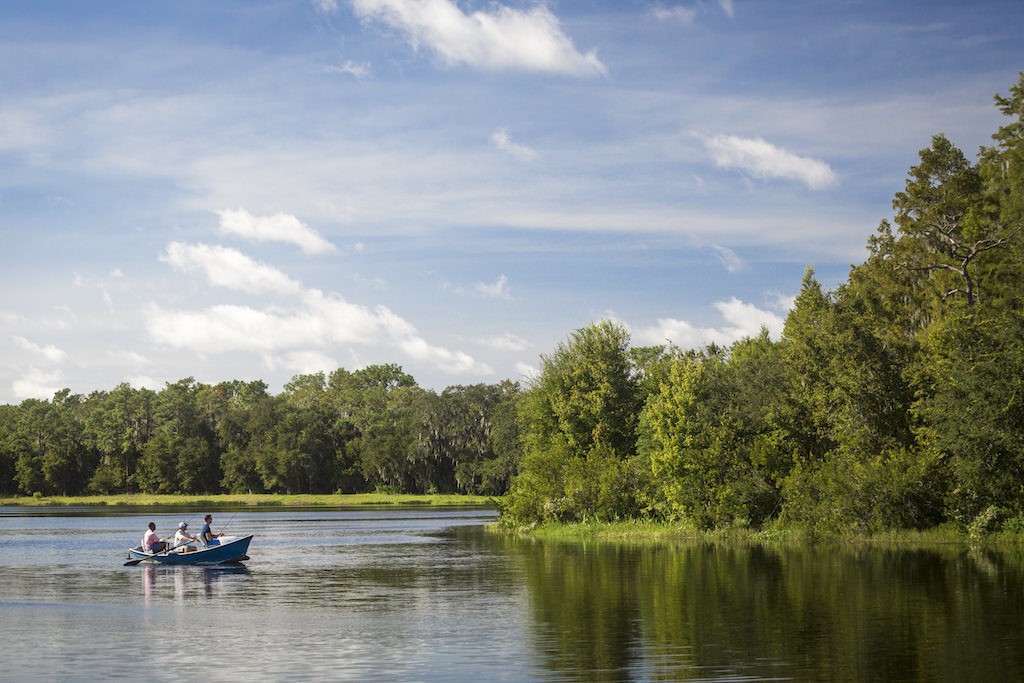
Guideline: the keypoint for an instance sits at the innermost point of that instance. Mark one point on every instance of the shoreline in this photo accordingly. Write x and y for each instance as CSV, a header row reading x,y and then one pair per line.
x,y
649,532
255,500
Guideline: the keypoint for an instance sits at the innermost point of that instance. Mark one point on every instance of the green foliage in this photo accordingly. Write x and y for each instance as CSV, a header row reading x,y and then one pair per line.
x,y
712,438
971,387
848,493
586,393
353,432
579,424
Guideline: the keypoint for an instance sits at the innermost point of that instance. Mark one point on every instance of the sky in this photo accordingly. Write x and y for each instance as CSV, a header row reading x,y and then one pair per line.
x,y
254,190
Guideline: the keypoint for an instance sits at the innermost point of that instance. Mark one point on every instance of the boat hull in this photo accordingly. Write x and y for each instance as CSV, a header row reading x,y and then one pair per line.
x,y
226,552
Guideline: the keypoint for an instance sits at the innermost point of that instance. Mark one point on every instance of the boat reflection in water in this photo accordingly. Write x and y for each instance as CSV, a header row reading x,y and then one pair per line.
x,y
188,581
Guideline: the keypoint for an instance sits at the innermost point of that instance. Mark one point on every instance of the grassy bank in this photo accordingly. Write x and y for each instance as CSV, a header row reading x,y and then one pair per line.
x,y
636,531
255,500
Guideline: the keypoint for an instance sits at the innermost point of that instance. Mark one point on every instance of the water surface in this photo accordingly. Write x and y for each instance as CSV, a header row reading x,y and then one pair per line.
x,y
389,594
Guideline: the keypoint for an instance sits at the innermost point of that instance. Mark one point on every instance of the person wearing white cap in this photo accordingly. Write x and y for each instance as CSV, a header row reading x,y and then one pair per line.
x,y
182,536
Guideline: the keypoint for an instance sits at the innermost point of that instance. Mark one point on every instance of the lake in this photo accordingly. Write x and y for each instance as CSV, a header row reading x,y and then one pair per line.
x,y
430,595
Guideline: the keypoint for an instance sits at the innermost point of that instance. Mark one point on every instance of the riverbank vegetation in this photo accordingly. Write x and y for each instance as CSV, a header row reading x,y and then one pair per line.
x,y
252,500
894,401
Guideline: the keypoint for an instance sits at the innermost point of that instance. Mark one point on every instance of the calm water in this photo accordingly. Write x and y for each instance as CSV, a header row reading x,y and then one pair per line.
x,y
429,595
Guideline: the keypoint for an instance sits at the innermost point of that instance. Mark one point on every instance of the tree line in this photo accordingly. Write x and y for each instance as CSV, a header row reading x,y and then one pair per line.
x,y
372,429
894,401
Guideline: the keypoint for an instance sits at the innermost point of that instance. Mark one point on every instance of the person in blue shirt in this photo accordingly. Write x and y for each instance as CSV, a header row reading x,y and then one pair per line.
x,y
208,537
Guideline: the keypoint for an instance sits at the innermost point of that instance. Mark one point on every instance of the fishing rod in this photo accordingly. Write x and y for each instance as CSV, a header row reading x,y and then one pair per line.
x,y
228,522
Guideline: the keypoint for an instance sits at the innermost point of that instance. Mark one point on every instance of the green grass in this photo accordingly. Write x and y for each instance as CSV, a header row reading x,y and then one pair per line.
x,y
255,500
639,531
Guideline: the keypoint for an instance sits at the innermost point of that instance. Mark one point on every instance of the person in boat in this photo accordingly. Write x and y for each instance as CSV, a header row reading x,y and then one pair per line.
x,y
182,537
151,543
207,535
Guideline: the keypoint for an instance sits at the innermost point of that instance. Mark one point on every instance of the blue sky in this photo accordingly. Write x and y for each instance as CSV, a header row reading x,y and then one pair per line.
x,y
243,190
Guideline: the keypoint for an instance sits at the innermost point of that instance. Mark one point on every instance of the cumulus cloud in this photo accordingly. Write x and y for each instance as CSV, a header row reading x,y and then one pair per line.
x,y
499,290
319,320
225,267
741,320
764,160
280,227
499,39
309,362
504,342
500,139
146,382
36,383
526,371
49,352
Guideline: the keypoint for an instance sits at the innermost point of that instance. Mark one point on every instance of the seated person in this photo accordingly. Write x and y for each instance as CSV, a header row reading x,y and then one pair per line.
x,y
207,535
151,543
182,537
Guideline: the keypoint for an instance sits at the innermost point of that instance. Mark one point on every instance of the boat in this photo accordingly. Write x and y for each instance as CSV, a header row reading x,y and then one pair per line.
x,y
229,550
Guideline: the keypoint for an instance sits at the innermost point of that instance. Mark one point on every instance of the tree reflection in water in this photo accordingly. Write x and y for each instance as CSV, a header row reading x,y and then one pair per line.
x,y
694,610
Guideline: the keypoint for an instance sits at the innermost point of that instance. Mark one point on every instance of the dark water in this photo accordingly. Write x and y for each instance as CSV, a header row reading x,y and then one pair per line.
x,y
430,595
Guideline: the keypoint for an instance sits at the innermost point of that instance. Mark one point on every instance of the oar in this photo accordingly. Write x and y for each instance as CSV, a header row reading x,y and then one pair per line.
x,y
132,563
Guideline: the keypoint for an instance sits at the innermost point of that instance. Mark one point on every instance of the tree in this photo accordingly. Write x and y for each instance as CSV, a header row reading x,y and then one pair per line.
x,y
579,423
712,436
972,407
586,393
119,425
944,226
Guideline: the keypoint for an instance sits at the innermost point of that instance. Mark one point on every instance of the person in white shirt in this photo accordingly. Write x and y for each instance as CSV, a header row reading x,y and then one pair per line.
x,y
182,536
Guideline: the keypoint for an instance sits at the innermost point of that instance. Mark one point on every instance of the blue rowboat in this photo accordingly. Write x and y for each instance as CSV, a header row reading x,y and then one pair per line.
x,y
227,551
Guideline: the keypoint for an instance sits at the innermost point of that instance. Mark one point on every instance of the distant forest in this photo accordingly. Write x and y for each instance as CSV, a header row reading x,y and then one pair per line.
x,y
894,401
369,430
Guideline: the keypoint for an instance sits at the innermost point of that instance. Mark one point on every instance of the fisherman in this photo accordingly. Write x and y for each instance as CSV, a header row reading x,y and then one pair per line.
x,y
182,537
151,543
207,536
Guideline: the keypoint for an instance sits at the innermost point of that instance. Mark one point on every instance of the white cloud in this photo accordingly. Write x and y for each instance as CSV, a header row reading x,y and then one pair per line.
x,y
502,141
128,357
225,267
764,160
499,290
36,383
742,320
503,38
308,362
505,342
146,382
325,321
727,7
280,227
780,301
49,352
358,69
684,15
526,371
732,262
372,282
325,6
